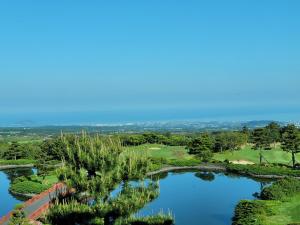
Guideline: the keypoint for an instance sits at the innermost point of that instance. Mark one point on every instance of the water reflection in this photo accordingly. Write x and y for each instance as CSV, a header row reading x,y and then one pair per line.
x,y
206,176
7,200
197,198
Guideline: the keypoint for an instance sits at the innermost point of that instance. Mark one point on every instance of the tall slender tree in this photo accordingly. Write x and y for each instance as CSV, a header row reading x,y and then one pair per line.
x,y
291,141
261,141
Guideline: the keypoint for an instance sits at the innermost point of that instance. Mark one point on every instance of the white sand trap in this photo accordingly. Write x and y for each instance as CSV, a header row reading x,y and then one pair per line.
x,y
154,148
242,162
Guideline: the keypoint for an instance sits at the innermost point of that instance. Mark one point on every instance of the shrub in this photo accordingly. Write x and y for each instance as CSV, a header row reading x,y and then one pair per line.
x,y
159,219
28,187
262,170
281,189
183,162
249,213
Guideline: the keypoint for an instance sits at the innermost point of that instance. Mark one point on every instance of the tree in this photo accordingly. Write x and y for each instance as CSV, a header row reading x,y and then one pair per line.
x,y
261,141
53,148
14,152
133,139
245,130
291,141
273,131
229,141
93,168
202,147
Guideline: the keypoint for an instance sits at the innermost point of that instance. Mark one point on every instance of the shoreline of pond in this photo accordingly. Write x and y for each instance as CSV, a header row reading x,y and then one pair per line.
x,y
217,168
207,167
8,167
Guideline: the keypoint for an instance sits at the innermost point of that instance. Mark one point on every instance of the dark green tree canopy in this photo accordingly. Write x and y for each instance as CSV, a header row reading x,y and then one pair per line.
x,y
202,147
291,141
261,139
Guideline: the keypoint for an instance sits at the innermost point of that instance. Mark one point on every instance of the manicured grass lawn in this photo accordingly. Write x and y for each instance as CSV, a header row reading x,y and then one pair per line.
x,y
157,151
16,162
34,185
163,151
284,212
272,156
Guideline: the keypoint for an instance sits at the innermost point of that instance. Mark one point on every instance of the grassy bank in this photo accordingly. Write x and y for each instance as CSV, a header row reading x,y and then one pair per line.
x,y
174,153
33,184
276,155
262,170
16,162
281,206
284,212
167,155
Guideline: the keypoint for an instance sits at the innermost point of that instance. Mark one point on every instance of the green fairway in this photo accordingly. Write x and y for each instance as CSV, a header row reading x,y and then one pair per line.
x,y
157,151
284,212
272,156
163,151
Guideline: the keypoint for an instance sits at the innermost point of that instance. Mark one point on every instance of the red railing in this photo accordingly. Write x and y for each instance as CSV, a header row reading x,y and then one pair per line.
x,y
34,215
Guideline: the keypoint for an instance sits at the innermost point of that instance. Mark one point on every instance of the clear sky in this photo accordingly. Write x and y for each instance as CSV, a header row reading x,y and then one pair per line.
x,y
160,55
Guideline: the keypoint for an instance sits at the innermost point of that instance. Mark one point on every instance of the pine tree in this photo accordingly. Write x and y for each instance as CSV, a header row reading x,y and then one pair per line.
x,y
291,141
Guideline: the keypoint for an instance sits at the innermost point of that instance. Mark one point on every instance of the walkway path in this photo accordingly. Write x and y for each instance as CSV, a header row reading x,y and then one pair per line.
x,y
37,205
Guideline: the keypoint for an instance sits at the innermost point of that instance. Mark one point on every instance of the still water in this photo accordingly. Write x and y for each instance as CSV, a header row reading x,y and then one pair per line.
x,y
201,198
7,200
194,198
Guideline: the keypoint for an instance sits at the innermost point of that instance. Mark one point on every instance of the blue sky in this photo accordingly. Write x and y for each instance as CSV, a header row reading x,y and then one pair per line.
x,y
89,56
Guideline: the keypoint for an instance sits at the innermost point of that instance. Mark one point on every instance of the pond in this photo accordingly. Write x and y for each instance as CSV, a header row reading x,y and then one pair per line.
x,y
196,198
7,200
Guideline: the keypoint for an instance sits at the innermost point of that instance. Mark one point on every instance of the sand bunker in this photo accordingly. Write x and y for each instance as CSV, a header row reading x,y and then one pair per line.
x,y
242,162
154,148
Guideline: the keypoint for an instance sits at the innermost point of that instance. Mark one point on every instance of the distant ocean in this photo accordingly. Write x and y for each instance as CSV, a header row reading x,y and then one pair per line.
x,y
133,116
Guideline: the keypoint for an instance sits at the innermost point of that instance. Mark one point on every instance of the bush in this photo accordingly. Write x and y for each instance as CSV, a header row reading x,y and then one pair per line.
x,y
281,189
28,187
249,213
262,170
159,219
183,162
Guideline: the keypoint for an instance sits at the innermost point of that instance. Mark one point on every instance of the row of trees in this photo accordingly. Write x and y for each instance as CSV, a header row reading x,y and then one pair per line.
x,y
264,138
155,138
16,150
261,139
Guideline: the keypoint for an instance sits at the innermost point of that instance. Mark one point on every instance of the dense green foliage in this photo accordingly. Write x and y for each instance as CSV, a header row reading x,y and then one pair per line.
x,y
229,141
16,150
93,168
18,217
160,219
281,189
28,187
202,147
291,141
32,184
155,138
280,205
249,213
262,170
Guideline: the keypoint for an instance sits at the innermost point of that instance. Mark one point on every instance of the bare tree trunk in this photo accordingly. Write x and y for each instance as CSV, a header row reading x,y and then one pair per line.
x,y
260,157
293,159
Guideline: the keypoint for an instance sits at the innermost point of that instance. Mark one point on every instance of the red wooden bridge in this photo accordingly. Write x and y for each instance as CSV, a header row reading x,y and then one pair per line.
x,y
37,205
